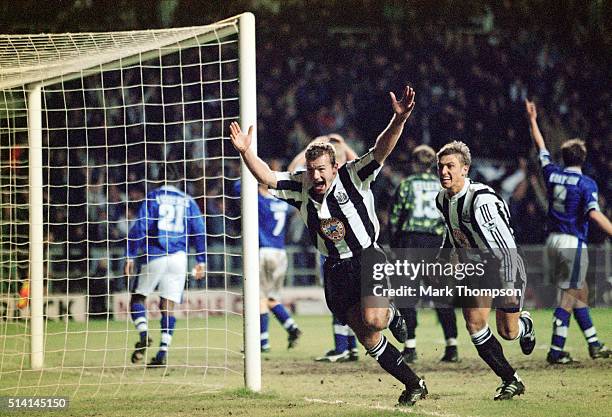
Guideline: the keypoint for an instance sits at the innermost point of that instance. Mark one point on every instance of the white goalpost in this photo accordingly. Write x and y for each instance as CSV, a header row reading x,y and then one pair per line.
x,y
88,125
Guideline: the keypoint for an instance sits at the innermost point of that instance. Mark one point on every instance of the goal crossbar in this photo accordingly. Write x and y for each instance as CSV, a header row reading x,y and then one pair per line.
x,y
22,62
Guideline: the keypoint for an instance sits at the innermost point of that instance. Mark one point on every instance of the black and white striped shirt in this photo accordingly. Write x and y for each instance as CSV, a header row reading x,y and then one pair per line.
x,y
478,218
345,222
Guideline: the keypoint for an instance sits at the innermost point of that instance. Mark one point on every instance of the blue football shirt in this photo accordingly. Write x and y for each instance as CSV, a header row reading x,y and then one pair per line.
x,y
272,222
571,195
272,214
169,221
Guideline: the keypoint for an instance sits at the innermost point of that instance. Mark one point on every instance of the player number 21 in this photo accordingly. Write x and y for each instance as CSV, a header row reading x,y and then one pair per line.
x,y
171,218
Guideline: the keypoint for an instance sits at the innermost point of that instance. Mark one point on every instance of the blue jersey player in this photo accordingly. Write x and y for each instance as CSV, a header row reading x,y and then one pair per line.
x,y
273,215
168,222
572,202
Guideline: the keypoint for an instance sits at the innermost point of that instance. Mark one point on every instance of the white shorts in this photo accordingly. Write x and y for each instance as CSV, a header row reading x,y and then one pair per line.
x,y
272,272
568,262
169,272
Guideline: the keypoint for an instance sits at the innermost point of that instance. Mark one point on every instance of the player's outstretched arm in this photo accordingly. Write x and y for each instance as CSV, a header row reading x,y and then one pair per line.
x,y
242,142
532,115
601,220
401,112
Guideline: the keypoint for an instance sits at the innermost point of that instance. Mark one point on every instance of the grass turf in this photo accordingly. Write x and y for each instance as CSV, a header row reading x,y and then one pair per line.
x,y
90,364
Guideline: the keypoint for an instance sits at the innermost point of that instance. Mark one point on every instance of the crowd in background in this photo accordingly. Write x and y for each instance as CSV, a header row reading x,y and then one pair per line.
x,y
470,86
315,79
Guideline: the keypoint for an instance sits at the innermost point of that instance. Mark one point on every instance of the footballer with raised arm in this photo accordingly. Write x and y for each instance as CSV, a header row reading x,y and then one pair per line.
x,y
572,203
337,206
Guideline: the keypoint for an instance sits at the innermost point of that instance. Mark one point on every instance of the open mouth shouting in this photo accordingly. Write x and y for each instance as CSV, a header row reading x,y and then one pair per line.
x,y
446,181
319,186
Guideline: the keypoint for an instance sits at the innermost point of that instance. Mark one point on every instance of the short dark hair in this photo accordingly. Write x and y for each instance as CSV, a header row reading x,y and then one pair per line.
x,y
423,157
574,152
318,149
456,148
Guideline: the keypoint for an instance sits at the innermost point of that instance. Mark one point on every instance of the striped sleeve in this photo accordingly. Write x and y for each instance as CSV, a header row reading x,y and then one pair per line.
x,y
364,170
289,187
492,222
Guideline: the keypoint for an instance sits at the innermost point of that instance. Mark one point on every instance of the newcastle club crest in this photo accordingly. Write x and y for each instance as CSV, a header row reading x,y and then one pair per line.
x,y
342,197
333,229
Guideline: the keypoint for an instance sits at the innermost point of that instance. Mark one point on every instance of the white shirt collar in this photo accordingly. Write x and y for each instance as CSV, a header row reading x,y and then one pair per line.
x,y
577,170
170,188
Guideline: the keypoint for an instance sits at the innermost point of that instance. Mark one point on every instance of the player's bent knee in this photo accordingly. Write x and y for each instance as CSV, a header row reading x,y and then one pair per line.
x,y
375,319
475,326
507,334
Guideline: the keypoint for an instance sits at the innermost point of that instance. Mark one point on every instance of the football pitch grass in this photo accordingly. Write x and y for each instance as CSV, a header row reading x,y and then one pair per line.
x,y
103,382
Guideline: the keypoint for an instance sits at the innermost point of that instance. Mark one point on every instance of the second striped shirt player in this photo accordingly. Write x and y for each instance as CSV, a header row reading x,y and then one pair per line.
x,y
478,221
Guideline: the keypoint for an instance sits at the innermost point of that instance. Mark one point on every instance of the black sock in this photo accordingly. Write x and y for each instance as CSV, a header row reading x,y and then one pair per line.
x,y
410,317
527,327
491,351
390,359
448,321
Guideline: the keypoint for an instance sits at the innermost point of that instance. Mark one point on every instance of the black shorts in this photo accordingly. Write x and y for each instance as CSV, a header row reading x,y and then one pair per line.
x,y
417,247
345,280
491,280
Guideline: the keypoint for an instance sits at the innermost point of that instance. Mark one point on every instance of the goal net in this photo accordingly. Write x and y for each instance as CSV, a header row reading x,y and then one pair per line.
x,y
89,124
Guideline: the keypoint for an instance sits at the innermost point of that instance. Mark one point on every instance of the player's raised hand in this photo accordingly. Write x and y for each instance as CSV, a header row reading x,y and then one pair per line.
x,y
404,106
240,140
530,106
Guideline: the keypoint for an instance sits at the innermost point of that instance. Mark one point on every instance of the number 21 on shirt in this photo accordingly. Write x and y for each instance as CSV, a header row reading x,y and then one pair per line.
x,y
171,218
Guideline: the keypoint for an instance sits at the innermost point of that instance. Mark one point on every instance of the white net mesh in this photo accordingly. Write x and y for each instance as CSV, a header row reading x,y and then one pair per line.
x,y
116,108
